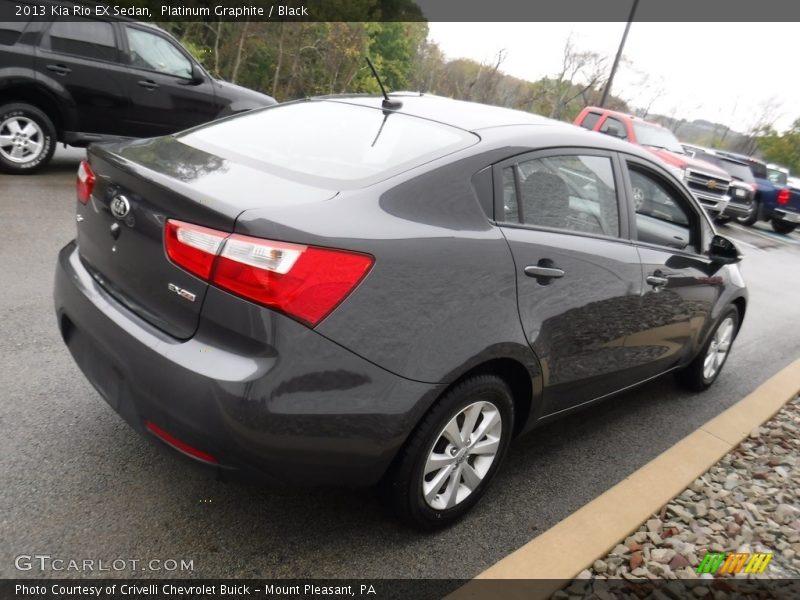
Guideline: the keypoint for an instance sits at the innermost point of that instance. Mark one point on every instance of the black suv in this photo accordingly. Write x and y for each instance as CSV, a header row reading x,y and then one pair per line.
x,y
84,80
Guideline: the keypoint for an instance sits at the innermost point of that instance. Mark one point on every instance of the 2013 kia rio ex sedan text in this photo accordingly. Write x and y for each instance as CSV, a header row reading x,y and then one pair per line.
x,y
347,291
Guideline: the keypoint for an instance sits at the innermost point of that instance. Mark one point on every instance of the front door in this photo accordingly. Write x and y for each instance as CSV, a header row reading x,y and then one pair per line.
x,y
579,277
680,287
165,98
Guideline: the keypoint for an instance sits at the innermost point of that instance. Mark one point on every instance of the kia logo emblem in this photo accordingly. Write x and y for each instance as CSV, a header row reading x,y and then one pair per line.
x,y
120,207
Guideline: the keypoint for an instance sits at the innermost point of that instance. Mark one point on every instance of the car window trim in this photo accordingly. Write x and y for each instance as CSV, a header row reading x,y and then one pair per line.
x,y
499,216
126,49
44,43
691,202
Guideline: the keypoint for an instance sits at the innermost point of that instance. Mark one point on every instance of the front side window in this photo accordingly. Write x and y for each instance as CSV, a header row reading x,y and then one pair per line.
x,y
85,38
662,216
572,192
155,53
615,127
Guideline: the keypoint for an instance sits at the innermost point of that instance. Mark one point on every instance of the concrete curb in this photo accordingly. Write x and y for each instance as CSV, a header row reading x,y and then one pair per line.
x,y
573,544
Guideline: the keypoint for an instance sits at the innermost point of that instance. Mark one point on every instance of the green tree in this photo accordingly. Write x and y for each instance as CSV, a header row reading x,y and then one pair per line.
x,y
783,149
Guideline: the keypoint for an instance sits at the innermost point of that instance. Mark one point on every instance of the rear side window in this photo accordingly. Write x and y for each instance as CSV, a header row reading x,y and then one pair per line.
x,y
10,32
571,192
343,144
85,38
590,120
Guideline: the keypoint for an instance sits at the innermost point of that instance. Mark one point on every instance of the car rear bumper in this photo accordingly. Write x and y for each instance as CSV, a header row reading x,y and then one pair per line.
x,y
786,215
255,390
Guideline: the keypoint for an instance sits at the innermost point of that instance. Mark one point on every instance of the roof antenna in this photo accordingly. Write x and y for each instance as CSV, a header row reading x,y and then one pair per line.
x,y
387,103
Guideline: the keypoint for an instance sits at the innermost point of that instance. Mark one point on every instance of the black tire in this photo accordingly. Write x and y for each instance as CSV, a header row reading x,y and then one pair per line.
x,y
752,216
722,221
404,482
783,227
692,376
44,133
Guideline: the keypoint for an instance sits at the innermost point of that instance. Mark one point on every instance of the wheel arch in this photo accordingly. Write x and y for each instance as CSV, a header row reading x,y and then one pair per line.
x,y
29,93
740,303
524,381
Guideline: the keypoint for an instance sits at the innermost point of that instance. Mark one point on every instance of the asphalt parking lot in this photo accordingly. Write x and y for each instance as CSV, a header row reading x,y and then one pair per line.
x,y
77,483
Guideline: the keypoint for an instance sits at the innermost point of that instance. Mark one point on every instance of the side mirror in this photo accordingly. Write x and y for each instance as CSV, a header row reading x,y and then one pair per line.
x,y
197,75
723,251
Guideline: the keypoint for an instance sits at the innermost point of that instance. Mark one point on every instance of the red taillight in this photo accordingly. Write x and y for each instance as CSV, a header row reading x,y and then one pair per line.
x,y
85,182
193,247
180,445
783,196
304,282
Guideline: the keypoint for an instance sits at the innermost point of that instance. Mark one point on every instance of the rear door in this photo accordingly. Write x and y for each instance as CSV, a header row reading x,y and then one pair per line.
x,y
679,288
81,56
578,276
164,97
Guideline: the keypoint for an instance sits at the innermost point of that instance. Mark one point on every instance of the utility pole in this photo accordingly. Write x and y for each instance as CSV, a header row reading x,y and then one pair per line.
x,y
619,55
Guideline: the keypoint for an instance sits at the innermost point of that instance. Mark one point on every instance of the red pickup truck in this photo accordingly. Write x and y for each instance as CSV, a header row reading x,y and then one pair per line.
x,y
708,183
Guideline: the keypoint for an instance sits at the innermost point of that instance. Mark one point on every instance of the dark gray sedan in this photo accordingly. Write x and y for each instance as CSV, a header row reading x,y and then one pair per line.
x,y
341,291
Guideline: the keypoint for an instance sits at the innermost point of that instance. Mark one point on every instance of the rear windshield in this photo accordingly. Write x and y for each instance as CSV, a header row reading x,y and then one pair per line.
x,y
738,170
336,142
777,177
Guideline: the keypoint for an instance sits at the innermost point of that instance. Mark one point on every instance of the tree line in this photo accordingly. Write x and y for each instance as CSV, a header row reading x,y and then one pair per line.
x,y
290,60
296,60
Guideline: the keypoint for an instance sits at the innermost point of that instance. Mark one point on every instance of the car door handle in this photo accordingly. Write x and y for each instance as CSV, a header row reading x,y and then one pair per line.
x,y
59,69
657,281
548,272
148,84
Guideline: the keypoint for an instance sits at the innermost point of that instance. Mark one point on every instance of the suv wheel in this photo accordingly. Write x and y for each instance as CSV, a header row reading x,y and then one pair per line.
x,y
456,450
722,220
783,226
706,366
27,138
752,214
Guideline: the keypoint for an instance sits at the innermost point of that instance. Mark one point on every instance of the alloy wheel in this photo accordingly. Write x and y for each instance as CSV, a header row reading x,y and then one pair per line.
x,y
718,349
21,140
462,455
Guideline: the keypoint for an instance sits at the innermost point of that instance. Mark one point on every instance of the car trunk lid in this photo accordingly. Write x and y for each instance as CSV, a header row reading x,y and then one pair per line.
x,y
139,186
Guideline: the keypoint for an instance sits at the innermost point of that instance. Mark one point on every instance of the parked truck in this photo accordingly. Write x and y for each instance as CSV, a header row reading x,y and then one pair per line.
x,y
776,201
708,183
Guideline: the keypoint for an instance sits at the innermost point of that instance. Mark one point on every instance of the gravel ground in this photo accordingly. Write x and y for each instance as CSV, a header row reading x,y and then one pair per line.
x,y
748,502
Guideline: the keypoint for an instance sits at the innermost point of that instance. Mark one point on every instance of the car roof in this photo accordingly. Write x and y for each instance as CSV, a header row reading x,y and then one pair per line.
x,y
470,116
618,114
496,126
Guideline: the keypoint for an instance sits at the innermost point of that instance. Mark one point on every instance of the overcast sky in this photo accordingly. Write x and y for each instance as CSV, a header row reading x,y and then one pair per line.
x,y
722,72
